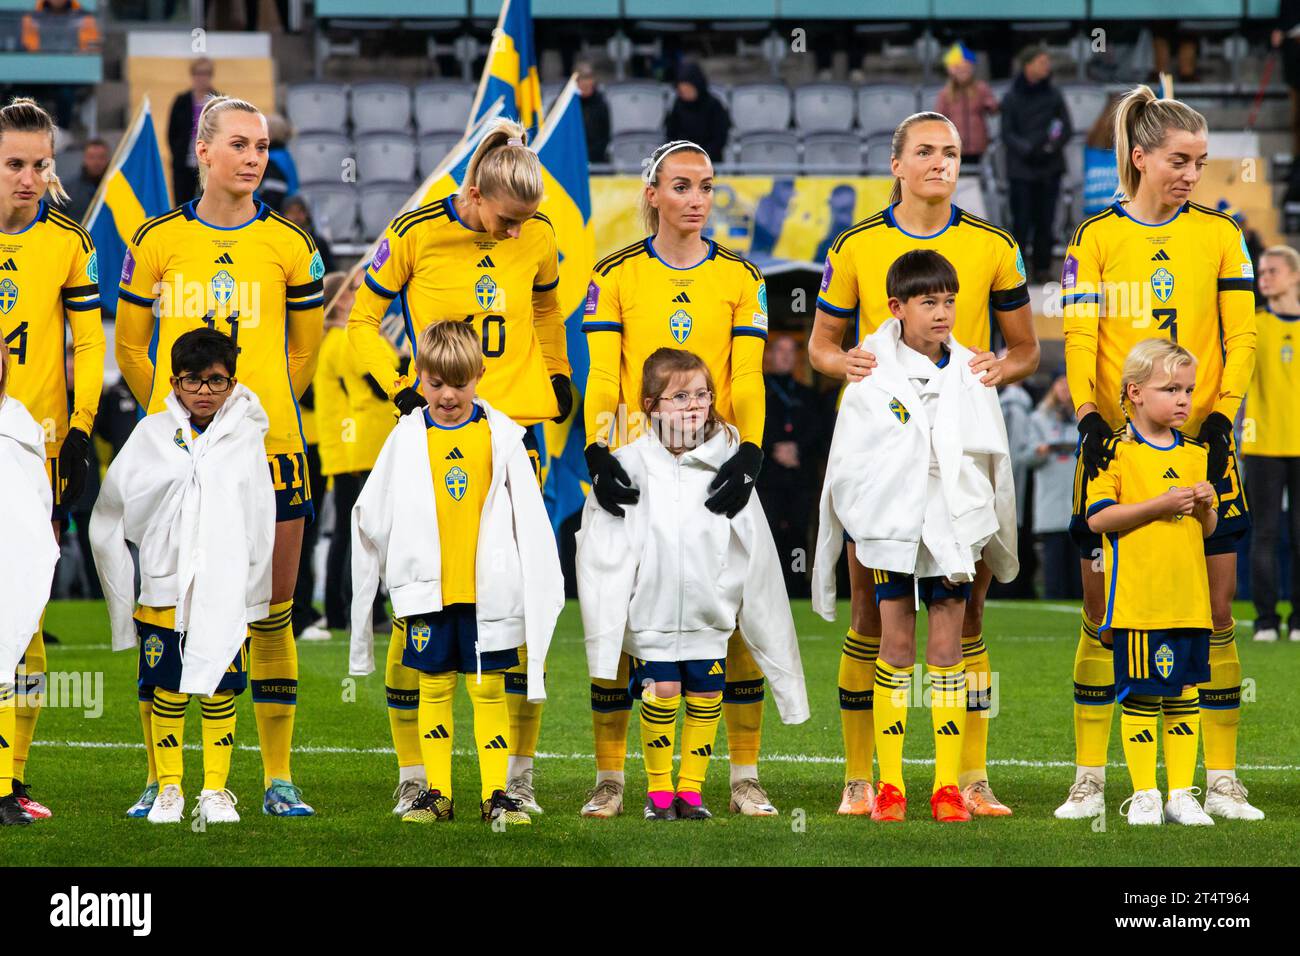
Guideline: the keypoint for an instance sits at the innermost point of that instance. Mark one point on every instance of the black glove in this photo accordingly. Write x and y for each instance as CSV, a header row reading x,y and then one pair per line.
x,y
563,396
74,465
609,481
1216,435
1094,438
735,481
408,400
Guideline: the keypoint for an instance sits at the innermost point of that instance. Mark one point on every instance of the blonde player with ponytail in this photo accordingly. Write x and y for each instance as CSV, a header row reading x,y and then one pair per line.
x,y
1154,263
229,262
50,280
926,152
486,256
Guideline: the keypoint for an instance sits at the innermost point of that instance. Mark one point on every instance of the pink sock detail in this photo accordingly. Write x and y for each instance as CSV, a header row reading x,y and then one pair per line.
x,y
690,797
662,799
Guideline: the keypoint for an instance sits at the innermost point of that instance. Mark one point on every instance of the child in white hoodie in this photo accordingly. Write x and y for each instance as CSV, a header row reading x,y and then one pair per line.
x,y
27,560
670,581
919,477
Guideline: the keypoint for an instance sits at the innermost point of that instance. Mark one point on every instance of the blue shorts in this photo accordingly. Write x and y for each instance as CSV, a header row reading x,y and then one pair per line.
x,y
160,663
701,677
891,584
1160,663
292,487
444,641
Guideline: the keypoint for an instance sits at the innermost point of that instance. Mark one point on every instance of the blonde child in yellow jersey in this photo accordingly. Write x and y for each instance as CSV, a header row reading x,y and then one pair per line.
x,y
1154,507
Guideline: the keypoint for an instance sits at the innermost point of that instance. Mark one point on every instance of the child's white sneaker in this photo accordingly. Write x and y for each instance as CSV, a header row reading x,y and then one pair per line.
x,y
1183,808
169,806
1143,809
216,806
1225,797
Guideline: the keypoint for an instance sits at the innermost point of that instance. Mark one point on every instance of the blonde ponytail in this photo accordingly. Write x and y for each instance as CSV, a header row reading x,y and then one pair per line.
x,y
899,143
1142,120
210,122
24,115
503,165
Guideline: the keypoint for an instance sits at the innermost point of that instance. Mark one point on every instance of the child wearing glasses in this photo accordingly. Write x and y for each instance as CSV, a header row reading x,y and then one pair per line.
x,y
670,581
192,491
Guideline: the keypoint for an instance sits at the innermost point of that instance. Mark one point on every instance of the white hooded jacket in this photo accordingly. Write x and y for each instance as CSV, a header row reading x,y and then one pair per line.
x,y
517,578
671,581
202,512
29,552
878,476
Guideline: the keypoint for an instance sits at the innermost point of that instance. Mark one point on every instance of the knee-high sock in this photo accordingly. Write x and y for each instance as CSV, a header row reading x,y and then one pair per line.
x,y
1181,728
525,718
658,729
1094,697
402,688
948,716
1137,725
857,675
699,730
975,733
611,709
487,692
742,702
8,721
1221,701
273,669
145,696
31,693
218,738
893,690
436,728
169,735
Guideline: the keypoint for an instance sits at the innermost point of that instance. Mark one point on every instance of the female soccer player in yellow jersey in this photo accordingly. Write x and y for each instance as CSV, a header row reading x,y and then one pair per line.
x,y
48,279
676,289
926,152
1156,263
227,261
485,256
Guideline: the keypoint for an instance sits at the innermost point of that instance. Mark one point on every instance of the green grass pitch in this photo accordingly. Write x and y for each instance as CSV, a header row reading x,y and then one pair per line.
x,y
90,770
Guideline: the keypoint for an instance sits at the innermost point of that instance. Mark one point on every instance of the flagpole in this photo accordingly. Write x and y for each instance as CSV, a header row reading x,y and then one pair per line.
x,y
123,149
487,67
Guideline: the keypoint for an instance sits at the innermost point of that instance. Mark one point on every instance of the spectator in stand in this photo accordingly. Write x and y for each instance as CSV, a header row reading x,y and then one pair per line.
x,y
795,443
82,185
1035,128
1049,446
296,211
281,177
182,126
1017,405
698,115
1100,174
1286,39
595,114
966,101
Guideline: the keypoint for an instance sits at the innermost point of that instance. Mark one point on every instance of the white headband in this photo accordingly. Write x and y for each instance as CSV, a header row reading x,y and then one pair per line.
x,y
672,147
514,141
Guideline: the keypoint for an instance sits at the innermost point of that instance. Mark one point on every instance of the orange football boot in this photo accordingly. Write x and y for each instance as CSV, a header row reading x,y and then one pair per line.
x,y
948,806
891,805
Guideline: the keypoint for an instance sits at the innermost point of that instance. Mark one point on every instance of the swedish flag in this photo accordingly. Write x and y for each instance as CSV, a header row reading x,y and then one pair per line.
x,y
510,73
134,189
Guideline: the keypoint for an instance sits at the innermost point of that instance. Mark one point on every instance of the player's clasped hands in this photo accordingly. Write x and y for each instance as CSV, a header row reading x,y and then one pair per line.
x,y
858,364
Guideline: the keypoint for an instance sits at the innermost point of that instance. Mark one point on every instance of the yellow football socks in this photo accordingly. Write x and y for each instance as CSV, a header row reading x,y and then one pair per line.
x,y
1094,697
273,675
402,688
742,702
491,728
1138,728
218,738
979,690
525,718
1182,724
893,689
435,726
31,691
611,709
8,721
1221,701
948,716
169,735
699,730
857,677
146,725
658,729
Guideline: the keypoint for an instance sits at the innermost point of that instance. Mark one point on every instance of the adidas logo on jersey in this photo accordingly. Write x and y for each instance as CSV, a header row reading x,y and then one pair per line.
x,y
1160,256
949,730
454,454
485,263
1233,512
895,729
226,741
9,266
662,742
1142,738
682,297
168,741
1180,730
297,500
716,669
438,733
224,260
4,744
496,743
705,751
1170,473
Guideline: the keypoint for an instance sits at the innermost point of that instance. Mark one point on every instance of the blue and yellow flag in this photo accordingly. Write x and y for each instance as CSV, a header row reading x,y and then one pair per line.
x,y
511,73
134,189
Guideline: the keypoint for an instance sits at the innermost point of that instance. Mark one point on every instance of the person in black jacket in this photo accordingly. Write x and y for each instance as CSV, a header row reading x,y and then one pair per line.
x,y
595,114
1035,131
183,124
1286,40
698,115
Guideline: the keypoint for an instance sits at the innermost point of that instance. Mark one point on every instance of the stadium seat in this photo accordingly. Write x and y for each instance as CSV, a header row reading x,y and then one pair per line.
x,y
829,152
635,107
316,107
928,95
380,202
1085,103
334,209
320,156
760,106
824,107
380,108
388,157
882,106
430,150
442,106
723,92
627,150
879,153
775,151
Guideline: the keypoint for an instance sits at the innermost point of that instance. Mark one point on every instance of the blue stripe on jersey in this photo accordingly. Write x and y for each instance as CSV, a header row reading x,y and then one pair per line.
x,y
834,309
1082,298
306,303
377,289
548,287
749,330
1099,505
137,299
83,306
1005,305
602,326
1113,538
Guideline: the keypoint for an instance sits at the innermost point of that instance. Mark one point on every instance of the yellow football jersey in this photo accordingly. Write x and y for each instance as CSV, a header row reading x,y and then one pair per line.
x,y
1188,278
49,275
1155,574
460,458
439,269
331,403
1272,422
637,303
989,267
259,282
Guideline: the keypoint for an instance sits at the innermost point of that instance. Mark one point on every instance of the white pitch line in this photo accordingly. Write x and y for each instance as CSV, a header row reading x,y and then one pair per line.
x,y
767,758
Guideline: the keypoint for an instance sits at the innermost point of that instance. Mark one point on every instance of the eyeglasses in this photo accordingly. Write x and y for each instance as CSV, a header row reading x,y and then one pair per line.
x,y
682,400
216,383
